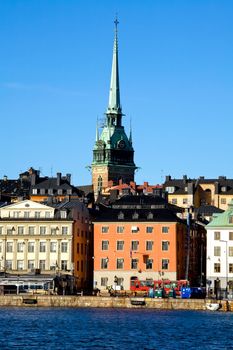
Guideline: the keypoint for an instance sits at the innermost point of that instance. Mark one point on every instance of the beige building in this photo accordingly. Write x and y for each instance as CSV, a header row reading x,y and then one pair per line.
x,y
35,238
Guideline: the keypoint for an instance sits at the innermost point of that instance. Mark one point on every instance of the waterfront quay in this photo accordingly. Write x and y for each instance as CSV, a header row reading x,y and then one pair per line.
x,y
110,302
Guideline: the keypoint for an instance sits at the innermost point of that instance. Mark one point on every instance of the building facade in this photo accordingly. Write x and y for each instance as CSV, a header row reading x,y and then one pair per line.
x,y
35,237
219,261
113,153
138,238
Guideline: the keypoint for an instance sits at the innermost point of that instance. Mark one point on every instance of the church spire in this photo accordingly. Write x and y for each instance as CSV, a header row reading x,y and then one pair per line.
x,y
114,113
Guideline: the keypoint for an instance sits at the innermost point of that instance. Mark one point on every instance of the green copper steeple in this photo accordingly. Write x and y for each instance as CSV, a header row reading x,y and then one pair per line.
x,y
113,153
114,113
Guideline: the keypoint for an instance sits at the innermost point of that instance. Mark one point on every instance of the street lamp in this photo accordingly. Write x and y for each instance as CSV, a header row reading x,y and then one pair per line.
x,y
221,240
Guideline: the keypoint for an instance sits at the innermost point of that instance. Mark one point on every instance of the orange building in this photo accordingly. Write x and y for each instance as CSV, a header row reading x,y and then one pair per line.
x,y
138,236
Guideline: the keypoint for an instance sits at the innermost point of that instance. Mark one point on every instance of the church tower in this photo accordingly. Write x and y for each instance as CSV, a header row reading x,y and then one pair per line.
x,y
113,153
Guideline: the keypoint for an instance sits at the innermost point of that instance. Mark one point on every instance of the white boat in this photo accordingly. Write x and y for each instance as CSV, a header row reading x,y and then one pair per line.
x,y
213,306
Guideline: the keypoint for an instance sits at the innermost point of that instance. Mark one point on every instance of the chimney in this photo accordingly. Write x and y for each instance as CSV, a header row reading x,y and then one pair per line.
x,y
33,179
167,178
68,178
58,179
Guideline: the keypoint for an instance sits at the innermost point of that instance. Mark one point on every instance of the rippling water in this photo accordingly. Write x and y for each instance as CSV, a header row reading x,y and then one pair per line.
x,y
65,328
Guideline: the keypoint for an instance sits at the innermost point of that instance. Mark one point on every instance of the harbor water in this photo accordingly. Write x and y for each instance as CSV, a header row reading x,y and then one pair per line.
x,y
77,328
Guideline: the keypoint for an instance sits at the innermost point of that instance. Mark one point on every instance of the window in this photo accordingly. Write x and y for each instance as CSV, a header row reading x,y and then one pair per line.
x,y
121,216
170,189
135,216
104,281
77,248
174,201
59,191
20,230
31,247
230,251
34,191
37,214
42,264
69,191
1,230
20,247
120,263
81,265
217,267
134,245
26,214
50,191
31,230
120,229
64,246
134,263
47,214
149,229
223,201
42,230
165,245
230,268
120,281
77,265
231,219
165,264
64,265
9,247
217,251
31,264
165,229
216,236
231,236
120,245
64,230
105,245
149,264
63,214
104,229
1,248
150,216
42,191
53,230
10,231
19,264
42,247
134,229
9,264
53,247
149,245
104,263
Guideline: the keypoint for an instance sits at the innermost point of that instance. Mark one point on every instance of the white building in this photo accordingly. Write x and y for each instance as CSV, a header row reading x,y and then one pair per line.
x,y
219,254
35,237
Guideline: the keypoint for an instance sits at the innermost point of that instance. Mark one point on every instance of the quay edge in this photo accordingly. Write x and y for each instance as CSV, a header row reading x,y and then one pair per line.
x,y
108,302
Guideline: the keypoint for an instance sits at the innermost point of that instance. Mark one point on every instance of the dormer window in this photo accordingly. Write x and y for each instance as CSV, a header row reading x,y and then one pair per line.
x,y
50,191
59,191
150,216
42,191
63,214
135,216
121,216
34,191
69,191
223,189
170,189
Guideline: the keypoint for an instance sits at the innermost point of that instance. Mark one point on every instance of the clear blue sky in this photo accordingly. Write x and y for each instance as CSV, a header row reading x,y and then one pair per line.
x,y
176,80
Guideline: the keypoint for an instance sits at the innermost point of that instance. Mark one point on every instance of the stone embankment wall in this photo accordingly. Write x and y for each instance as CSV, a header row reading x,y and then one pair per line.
x,y
109,302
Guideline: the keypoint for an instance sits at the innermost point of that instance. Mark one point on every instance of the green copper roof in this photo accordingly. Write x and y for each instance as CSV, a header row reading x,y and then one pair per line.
x,y
223,219
114,106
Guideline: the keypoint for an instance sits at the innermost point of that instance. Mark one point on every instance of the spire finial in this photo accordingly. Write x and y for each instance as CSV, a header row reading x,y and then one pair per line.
x,y
116,23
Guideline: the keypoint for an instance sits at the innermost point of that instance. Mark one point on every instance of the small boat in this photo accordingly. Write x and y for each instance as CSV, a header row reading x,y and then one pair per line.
x,y
137,301
213,306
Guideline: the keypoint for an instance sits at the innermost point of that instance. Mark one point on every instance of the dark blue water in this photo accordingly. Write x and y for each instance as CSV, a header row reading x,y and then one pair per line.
x,y
65,328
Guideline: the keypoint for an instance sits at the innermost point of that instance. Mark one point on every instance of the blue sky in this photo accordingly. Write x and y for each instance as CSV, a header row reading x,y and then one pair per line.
x,y
176,80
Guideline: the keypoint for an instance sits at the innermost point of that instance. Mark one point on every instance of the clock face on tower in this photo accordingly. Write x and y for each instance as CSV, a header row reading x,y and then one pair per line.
x,y
121,144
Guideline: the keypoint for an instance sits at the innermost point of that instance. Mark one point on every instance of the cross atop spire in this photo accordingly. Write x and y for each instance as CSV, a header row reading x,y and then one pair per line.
x,y
114,113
